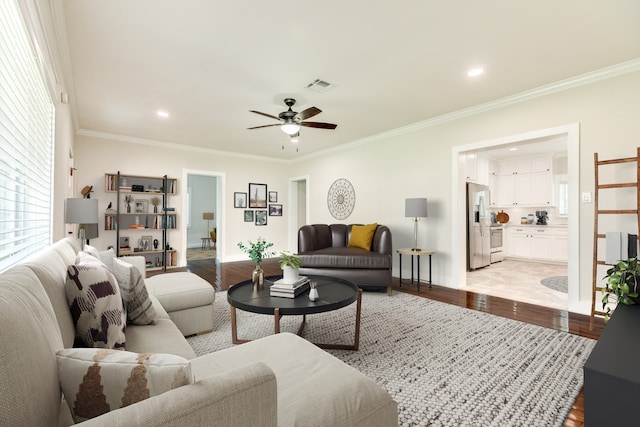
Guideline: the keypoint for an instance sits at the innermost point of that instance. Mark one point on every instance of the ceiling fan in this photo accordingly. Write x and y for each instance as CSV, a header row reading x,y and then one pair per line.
x,y
290,121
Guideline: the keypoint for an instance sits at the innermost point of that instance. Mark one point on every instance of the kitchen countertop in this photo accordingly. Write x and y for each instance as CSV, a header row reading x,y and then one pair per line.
x,y
515,224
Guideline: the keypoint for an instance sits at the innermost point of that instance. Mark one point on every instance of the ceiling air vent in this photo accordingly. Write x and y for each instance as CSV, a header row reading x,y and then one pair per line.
x,y
320,86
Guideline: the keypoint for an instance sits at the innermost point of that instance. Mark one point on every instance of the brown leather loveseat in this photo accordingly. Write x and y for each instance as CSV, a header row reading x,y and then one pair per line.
x,y
324,250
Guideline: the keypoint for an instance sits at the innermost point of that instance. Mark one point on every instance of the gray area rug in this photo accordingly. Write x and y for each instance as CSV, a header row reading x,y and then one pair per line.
x,y
444,365
557,283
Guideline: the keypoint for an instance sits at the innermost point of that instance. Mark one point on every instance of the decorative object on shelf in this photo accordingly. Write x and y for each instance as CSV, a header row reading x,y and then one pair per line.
x,y
257,252
142,206
240,200
144,243
81,211
128,199
341,199
313,292
208,216
273,196
415,208
622,284
137,188
248,216
290,264
155,244
86,191
257,195
155,201
261,217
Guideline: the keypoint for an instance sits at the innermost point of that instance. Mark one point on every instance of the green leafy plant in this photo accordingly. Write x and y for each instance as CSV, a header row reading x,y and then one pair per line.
x,y
622,284
257,251
289,259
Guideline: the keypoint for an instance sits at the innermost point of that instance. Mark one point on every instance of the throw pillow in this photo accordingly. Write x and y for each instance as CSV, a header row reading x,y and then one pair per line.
x,y
139,307
96,381
96,305
106,257
362,236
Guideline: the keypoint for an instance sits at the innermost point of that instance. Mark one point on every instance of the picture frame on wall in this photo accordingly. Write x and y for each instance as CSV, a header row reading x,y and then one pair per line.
x,y
248,216
275,209
261,217
257,195
239,200
273,196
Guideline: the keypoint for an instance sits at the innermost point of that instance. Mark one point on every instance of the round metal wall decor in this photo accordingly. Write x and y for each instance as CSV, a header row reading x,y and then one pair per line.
x,y
341,199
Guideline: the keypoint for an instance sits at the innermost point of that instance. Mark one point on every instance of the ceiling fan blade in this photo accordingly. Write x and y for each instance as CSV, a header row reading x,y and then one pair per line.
x,y
265,114
309,112
265,126
319,125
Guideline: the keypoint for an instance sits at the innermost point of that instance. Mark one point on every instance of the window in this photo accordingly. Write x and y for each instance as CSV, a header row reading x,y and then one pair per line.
x,y
563,198
26,143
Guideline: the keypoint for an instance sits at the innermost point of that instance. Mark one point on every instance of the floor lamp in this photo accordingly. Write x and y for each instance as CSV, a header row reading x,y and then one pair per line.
x,y
209,217
415,208
81,211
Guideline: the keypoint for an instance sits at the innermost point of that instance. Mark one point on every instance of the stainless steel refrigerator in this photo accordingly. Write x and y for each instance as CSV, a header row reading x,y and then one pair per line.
x,y
478,226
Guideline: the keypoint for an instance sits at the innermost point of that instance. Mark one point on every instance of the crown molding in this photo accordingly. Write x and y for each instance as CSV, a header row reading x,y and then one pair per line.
x,y
559,86
173,145
562,85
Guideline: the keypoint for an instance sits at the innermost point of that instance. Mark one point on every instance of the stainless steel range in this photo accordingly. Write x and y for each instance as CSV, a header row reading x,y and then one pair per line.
x,y
496,249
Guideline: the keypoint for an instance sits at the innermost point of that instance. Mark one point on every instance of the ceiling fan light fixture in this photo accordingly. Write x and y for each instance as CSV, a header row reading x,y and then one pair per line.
x,y
290,128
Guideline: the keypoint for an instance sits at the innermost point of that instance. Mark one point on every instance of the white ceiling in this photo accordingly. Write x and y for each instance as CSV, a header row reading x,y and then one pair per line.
x,y
393,63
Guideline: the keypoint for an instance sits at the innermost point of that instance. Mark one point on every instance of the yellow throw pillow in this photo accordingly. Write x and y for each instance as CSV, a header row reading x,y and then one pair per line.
x,y
361,236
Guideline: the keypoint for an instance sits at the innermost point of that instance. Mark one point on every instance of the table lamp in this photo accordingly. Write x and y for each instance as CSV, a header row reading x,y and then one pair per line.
x,y
208,216
81,211
415,208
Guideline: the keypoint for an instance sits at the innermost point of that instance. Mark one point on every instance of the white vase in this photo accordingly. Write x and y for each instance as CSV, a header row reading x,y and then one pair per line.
x,y
290,274
313,292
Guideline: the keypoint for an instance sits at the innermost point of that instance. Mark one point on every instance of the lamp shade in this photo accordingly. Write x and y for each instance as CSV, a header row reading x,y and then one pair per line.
x,y
81,211
290,127
415,208
207,215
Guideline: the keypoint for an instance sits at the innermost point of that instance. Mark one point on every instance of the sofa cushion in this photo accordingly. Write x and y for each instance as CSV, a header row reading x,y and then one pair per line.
x,y
29,337
139,309
181,290
361,236
95,303
106,257
96,381
345,258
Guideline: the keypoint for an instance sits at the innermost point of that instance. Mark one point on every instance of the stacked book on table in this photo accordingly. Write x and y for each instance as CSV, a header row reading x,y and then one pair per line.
x,y
283,289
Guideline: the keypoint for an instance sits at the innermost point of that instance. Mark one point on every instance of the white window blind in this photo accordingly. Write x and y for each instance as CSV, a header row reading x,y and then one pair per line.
x,y
26,143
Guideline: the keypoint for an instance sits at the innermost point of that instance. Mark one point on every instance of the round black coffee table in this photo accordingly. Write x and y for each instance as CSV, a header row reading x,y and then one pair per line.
x,y
334,294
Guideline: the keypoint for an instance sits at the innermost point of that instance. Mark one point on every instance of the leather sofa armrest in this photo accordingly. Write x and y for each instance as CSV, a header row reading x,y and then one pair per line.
x,y
306,239
244,396
381,240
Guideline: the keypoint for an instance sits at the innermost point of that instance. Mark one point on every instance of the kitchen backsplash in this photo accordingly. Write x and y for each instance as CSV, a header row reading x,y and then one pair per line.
x,y
516,213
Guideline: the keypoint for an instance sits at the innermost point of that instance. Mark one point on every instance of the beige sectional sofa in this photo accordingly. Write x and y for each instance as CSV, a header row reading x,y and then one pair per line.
x,y
278,380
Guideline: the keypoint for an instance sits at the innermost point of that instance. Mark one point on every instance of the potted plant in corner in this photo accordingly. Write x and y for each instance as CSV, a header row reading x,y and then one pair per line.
x,y
257,252
290,264
622,284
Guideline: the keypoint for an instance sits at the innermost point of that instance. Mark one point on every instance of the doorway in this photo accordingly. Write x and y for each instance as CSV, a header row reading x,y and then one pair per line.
x,y
203,215
298,208
570,134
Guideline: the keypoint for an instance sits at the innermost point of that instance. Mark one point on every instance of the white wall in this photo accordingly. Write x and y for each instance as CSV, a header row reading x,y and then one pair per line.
x,y
96,156
411,164
418,164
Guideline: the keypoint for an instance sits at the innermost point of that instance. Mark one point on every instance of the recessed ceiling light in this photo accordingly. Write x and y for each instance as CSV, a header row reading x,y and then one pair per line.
x,y
475,72
513,149
163,114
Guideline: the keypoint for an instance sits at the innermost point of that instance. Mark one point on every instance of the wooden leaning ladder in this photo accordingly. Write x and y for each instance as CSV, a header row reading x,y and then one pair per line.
x,y
596,295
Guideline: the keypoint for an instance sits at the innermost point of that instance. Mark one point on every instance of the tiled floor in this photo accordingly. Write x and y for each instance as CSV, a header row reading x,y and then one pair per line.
x,y
520,281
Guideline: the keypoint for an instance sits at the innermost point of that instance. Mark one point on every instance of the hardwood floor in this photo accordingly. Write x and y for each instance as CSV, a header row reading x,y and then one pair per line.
x,y
222,276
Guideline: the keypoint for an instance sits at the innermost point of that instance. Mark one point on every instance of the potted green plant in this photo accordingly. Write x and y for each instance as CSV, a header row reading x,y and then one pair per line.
x,y
290,264
257,251
622,284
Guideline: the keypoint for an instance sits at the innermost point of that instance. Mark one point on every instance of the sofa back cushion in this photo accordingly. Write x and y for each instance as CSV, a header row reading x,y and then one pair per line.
x,y
29,340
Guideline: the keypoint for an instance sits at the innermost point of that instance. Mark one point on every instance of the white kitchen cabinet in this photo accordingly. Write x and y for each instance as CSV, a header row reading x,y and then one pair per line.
x,y
524,182
530,242
471,166
560,248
